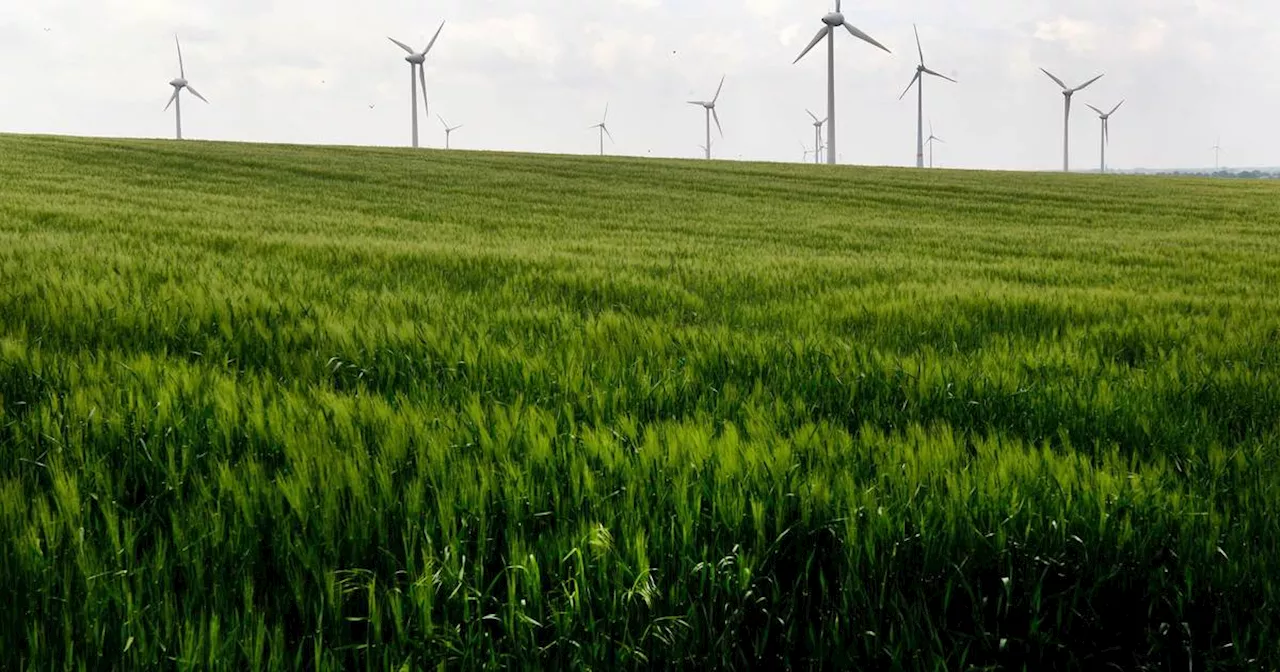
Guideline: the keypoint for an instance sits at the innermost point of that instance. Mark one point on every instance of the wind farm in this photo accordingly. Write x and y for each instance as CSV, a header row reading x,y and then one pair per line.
x,y
301,393
831,22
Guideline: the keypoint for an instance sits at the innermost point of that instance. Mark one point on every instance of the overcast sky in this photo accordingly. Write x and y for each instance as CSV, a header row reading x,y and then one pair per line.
x,y
532,75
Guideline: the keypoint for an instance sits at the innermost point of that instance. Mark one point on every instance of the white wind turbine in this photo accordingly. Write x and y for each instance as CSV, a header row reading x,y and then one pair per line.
x,y
417,73
832,21
918,82
448,130
1217,151
178,85
710,107
817,137
604,128
932,139
1106,128
805,157
1066,115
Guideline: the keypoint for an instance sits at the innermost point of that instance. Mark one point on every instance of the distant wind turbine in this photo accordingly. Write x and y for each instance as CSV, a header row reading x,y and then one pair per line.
x,y
817,137
932,139
604,128
417,73
1066,115
178,85
448,130
710,107
832,21
1217,151
805,157
918,82
1106,127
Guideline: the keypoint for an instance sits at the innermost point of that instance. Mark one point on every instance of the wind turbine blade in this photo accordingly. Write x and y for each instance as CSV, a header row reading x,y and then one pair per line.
x,y
1057,81
457,127
918,47
865,37
606,113
402,45
422,79
443,122
913,83
837,5
1106,135
815,117
1086,83
1113,110
939,74
822,32
1100,112
182,70
606,132
197,94
718,89
172,98
697,102
432,43
940,140
717,118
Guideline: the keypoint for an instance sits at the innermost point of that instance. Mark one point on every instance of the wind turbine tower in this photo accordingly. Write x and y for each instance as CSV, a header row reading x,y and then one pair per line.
x,y
178,85
417,73
918,82
831,22
1067,92
817,137
604,128
1106,134
710,107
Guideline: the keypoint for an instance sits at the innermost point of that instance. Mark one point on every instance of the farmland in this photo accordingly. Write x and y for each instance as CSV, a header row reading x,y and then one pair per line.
x,y
271,407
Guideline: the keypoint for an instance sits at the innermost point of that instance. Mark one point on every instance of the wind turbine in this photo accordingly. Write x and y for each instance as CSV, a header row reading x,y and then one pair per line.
x,y
710,107
178,85
1066,115
448,131
417,73
1217,150
805,157
1106,135
604,128
817,137
918,82
832,21
932,139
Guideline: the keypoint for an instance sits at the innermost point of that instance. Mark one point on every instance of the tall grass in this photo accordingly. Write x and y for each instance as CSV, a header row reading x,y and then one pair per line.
x,y
297,408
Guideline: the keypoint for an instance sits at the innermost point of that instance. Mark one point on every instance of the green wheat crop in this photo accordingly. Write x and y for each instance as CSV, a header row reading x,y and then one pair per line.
x,y
292,408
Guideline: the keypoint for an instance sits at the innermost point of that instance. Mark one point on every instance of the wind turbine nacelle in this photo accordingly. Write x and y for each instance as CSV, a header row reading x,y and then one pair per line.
x,y
178,83
416,59
834,19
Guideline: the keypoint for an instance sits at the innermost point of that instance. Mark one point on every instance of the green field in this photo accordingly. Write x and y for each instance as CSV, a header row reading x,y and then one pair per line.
x,y
297,408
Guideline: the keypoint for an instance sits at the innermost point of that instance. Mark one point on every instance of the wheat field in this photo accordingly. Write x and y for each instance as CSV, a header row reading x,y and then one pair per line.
x,y
297,408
